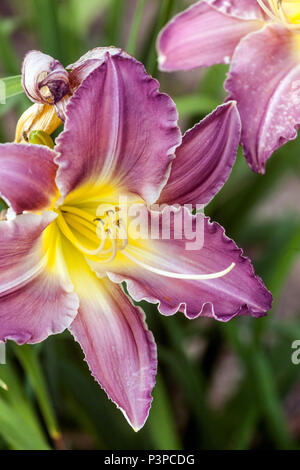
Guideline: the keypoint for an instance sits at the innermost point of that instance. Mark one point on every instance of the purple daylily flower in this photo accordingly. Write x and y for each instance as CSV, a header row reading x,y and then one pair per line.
x,y
260,38
120,137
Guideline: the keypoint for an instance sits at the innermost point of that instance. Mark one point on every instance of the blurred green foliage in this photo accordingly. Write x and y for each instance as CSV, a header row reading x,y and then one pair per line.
x,y
52,400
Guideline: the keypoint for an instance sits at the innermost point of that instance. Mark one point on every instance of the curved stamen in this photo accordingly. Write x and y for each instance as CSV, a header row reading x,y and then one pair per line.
x,y
276,13
82,214
189,277
121,228
88,231
111,229
71,237
267,10
114,252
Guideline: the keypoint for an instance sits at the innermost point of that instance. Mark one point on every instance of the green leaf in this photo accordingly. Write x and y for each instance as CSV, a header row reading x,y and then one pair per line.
x,y
3,205
85,12
45,18
11,86
114,23
286,255
286,328
16,432
164,14
18,399
9,58
19,410
29,360
269,400
196,104
131,46
161,421
265,391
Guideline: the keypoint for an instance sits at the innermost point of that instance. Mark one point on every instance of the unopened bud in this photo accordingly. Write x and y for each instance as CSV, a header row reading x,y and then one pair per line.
x,y
39,117
44,79
41,138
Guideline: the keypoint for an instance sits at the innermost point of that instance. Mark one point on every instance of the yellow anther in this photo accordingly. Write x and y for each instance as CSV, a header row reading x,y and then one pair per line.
x,y
73,221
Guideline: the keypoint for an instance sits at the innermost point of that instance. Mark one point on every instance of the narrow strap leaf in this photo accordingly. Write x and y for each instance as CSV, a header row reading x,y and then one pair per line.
x,y
10,86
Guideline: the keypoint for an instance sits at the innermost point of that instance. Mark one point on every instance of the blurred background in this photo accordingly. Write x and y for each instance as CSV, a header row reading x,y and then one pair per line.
x,y
219,386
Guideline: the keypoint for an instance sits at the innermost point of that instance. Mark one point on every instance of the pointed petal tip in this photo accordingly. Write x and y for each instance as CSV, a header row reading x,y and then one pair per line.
x,y
231,104
119,349
254,163
205,156
135,423
262,168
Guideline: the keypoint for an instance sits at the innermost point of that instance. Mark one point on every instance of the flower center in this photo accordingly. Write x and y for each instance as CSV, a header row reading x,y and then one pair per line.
x,y
285,12
100,228
94,236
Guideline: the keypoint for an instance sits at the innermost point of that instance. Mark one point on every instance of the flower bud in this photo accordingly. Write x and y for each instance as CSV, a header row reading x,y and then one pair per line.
x,y
41,138
38,117
44,79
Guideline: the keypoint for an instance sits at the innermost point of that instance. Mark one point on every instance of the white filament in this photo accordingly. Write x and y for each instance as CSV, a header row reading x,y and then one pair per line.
x,y
283,20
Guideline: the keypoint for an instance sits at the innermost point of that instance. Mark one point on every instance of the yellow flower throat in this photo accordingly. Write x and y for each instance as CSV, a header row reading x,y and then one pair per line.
x,y
95,229
107,229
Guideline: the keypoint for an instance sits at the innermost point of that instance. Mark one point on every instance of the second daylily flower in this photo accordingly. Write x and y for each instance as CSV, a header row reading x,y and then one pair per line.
x,y
58,272
261,40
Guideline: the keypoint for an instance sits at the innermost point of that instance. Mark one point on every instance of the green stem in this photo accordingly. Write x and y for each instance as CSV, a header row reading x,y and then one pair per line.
x,y
260,372
131,45
284,262
163,17
45,16
12,86
9,59
114,26
30,362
